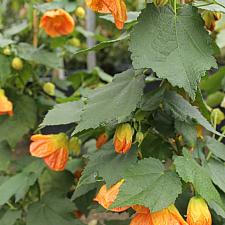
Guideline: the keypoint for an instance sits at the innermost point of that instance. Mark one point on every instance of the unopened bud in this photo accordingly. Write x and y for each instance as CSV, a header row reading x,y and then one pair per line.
x,y
217,116
139,137
7,51
17,63
49,88
74,42
80,12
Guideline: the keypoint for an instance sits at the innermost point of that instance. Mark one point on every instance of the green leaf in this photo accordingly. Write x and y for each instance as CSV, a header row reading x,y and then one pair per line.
x,y
215,99
10,217
16,28
216,171
213,83
103,162
149,184
68,6
216,147
5,42
39,56
100,46
5,156
53,209
13,128
182,110
178,50
115,101
65,113
191,172
5,69
52,181
211,5
19,184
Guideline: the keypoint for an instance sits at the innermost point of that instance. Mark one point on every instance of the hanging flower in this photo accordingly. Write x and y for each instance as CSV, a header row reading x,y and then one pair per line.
x,y
57,23
106,197
116,7
123,138
168,216
142,216
6,107
101,140
52,148
198,212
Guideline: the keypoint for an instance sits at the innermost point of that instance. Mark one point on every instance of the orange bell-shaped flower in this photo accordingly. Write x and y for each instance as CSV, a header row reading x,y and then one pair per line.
x,y
123,138
142,216
6,107
168,216
106,197
101,140
116,7
198,212
52,148
57,23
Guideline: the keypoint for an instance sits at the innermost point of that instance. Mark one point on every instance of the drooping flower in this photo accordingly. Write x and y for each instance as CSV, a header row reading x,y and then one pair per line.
x,y
116,7
168,216
123,138
52,148
106,197
6,107
142,216
101,140
198,212
57,23
210,19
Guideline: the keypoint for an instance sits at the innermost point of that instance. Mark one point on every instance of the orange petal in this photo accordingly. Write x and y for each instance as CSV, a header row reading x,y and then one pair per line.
x,y
140,209
142,219
57,161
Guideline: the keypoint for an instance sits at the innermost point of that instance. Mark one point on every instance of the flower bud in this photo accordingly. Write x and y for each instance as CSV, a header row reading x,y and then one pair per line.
x,y
17,64
80,12
75,146
49,88
217,116
198,212
74,42
210,19
123,138
139,137
101,140
6,106
160,3
7,51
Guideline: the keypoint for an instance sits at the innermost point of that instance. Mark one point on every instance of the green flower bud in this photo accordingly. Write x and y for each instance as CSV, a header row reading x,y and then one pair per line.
x,y
17,63
75,146
217,116
49,88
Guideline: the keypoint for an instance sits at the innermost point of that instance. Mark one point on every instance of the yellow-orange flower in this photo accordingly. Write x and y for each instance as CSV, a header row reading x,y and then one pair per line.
x,y
101,140
168,216
116,7
106,197
123,138
142,216
52,148
57,23
198,212
6,107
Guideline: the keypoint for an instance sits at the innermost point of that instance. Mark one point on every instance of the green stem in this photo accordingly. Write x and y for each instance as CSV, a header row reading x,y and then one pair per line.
x,y
175,6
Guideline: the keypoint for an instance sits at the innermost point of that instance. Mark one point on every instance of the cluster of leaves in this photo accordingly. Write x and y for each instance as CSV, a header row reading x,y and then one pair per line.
x,y
160,96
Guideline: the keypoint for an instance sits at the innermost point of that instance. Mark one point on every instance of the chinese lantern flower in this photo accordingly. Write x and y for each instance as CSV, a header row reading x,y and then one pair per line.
x,y
101,140
116,7
210,19
123,138
52,148
198,212
6,107
168,216
57,23
106,197
142,216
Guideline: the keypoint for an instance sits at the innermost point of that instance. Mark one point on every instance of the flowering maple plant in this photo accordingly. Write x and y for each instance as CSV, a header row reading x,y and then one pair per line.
x,y
141,146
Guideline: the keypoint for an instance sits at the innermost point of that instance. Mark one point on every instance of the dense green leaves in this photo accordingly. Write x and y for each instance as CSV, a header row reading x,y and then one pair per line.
x,y
19,184
10,217
190,171
5,71
176,47
53,209
216,147
39,56
148,183
21,122
102,163
182,110
115,101
64,113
